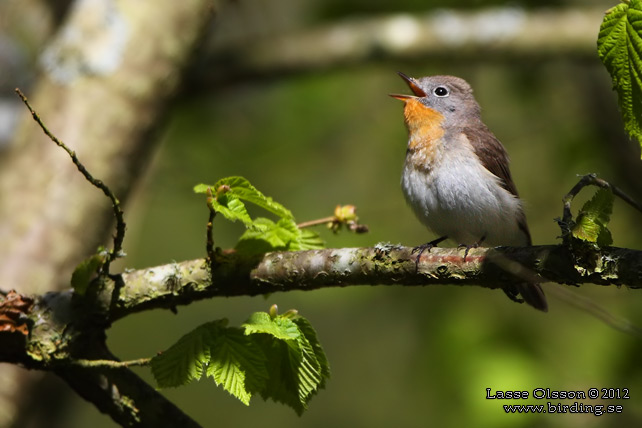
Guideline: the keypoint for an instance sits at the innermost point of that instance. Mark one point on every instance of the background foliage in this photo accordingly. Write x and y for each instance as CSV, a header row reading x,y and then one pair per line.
x,y
404,357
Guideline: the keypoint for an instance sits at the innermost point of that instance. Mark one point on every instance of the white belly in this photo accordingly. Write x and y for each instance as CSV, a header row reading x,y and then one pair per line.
x,y
463,201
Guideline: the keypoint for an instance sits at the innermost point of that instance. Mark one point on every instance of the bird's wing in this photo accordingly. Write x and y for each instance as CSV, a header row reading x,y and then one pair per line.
x,y
494,158
492,155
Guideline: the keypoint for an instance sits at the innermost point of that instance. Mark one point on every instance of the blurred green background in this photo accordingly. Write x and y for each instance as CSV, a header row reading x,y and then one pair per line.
x,y
400,356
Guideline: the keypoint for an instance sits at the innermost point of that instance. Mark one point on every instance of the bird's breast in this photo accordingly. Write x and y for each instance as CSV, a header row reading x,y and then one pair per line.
x,y
425,132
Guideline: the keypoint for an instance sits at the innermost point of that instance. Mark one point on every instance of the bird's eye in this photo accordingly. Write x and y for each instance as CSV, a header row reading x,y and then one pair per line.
x,y
440,91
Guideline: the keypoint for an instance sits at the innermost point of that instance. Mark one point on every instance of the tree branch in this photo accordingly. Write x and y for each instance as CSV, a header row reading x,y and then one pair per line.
x,y
120,393
455,34
235,275
76,318
66,330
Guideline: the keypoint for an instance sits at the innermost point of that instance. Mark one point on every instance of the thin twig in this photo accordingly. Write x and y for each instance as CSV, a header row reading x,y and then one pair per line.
x,y
209,245
344,215
111,364
118,213
316,222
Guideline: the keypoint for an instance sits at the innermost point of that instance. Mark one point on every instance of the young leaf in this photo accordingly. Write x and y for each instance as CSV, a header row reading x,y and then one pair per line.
x,y
592,221
237,364
300,239
620,49
283,235
264,236
185,361
311,335
240,188
310,240
84,272
282,385
306,369
296,363
280,327
226,203
232,209
277,356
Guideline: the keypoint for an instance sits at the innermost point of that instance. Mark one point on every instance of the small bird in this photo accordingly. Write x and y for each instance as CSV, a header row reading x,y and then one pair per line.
x,y
456,176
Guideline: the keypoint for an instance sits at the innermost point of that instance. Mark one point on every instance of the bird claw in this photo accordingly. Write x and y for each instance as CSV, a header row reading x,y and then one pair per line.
x,y
471,246
423,247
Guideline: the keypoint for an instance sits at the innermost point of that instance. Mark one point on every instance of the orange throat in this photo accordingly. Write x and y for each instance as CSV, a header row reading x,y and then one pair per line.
x,y
424,127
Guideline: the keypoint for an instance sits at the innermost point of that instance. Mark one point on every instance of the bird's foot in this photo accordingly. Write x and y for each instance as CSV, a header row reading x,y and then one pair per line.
x,y
471,246
423,247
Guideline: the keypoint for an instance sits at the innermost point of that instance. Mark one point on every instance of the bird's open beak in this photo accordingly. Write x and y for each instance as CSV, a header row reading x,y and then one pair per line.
x,y
414,87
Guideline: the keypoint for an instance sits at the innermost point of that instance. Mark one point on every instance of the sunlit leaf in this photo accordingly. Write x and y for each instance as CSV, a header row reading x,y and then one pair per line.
x,y
186,360
620,49
279,327
237,364
241,188
593,219
296,362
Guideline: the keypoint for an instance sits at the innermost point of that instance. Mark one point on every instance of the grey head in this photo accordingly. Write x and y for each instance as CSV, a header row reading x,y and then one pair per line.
x,y
449,95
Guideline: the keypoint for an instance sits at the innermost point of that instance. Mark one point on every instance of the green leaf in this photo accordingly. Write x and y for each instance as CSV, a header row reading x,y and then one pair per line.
x,y
232,209
311,335
307,369
82,275
282,385
237,364
283,235
202,188
240,188
266,235
280,327
244,190
296,363
185,361
298,239
262,235
593,218
278,357
620,48
310,240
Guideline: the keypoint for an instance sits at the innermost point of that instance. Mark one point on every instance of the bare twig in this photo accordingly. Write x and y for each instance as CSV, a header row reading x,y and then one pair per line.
x,y
209,245
317,222
110,364
343,215
118,213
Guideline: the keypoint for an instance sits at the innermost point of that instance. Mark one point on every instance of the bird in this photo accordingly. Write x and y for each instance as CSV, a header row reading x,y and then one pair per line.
x,y
456,175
